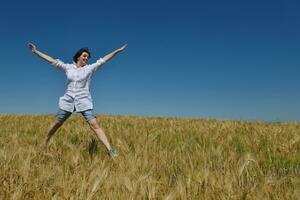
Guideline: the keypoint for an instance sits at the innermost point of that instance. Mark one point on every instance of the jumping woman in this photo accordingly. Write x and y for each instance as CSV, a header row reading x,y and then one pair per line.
x,y
77,97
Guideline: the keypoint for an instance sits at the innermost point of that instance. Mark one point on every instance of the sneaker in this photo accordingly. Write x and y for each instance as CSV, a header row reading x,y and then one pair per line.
x,y
112,153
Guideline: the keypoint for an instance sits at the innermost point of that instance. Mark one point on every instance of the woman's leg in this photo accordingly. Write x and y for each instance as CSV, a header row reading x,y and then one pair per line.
x,y
52,130
99,133
91,119
61,117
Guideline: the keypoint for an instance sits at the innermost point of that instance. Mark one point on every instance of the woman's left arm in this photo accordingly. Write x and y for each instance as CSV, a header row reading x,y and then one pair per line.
x,y
112,54
106,58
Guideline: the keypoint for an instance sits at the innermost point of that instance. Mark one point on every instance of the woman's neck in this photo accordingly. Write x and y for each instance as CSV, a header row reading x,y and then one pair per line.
x,y
79,65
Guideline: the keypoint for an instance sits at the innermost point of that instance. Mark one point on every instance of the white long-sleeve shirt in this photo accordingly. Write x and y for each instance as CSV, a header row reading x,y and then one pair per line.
x,y
77,96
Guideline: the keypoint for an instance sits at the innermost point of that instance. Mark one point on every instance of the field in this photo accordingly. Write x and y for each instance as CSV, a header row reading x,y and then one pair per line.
x,y
159,158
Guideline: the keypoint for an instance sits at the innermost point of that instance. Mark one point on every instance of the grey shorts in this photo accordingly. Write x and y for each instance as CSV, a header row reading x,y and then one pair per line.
x,y
62,115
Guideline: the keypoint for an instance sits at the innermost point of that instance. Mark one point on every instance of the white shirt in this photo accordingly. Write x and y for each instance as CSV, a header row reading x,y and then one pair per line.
x,y
77,96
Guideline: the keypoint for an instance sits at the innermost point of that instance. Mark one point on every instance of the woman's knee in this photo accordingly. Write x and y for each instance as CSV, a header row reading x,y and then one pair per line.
x,y
59,123
93,124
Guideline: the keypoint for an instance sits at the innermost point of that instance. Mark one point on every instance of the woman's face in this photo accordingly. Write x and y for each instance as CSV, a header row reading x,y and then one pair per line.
x,y
83,58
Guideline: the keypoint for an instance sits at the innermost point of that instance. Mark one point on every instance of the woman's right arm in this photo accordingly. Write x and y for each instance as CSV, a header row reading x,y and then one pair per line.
x,y
49,59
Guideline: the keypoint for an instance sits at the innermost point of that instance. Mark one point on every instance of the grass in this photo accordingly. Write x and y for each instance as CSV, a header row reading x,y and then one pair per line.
x,y
159,158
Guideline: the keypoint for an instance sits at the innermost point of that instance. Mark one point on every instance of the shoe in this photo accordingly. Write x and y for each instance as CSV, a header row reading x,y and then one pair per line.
x,y
113,153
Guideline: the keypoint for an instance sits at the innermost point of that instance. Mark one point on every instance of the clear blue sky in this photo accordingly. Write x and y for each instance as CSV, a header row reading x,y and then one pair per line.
x,y
197,59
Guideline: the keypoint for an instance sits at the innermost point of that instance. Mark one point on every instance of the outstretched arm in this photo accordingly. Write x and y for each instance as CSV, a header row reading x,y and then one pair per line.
x,y
115,52
49,59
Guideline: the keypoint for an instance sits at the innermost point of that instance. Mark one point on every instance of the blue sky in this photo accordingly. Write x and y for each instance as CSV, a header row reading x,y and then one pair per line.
x,y
196,59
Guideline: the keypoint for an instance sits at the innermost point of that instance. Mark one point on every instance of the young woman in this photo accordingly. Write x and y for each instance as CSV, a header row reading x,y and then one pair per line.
x,y
77,97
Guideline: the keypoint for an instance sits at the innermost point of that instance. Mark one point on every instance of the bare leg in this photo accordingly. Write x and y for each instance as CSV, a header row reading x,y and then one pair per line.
x,y
99,133
52,130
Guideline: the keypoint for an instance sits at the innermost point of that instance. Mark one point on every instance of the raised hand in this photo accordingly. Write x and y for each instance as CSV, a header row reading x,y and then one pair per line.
x,y
42,55
122,48
32,47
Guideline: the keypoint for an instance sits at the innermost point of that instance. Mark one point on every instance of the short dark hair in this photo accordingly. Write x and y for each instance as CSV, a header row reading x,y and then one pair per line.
x,y
79,52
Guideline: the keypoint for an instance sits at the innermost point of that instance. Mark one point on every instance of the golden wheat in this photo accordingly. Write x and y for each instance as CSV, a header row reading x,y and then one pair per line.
x,y
159,158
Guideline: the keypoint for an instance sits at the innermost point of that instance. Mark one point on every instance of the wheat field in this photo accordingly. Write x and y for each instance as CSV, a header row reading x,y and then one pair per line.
x,y
159,158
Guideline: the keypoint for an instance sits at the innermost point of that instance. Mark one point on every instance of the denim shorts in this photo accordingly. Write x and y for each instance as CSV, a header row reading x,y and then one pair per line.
x,y
62,115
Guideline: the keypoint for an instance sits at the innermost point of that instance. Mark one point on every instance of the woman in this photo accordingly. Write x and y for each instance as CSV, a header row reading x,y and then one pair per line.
x,y
77,97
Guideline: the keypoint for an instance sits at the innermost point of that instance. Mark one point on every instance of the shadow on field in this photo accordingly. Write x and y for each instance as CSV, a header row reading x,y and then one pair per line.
x,y
93,148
